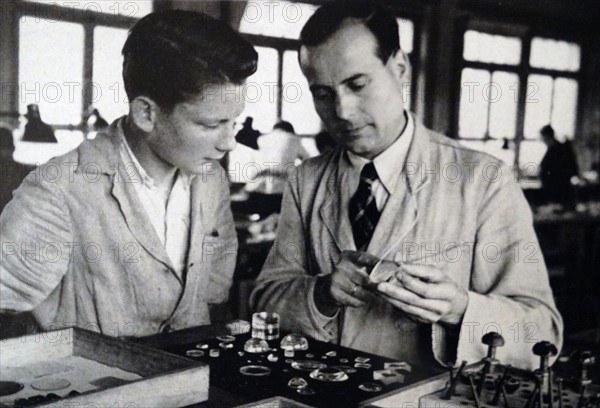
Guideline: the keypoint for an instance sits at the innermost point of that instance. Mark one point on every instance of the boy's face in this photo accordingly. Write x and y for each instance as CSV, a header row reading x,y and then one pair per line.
x,y
199,130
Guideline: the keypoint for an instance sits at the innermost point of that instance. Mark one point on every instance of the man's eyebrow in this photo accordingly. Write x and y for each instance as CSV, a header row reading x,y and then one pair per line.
x,y
353,78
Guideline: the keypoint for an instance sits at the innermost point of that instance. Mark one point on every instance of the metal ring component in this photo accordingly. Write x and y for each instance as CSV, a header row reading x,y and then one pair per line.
x,y
255,370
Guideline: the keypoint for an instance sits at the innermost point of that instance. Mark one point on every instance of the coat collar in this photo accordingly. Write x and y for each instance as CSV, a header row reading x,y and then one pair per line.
x,y
102,153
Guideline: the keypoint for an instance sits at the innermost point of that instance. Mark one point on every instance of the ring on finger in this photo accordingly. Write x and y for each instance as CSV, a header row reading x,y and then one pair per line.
x,y
354,289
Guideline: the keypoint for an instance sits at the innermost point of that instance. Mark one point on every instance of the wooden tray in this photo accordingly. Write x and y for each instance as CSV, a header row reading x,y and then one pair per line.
x,y
163,379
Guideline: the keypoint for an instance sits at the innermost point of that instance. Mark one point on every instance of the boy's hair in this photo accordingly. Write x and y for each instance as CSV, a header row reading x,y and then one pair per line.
x,y
170,56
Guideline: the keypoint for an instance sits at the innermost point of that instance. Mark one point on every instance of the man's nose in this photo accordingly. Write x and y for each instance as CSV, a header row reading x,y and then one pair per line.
x,y
345,105
228,141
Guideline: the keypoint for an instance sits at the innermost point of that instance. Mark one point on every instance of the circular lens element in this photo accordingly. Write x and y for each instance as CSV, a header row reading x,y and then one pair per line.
x,y
346,369
329,374
294,342
307,365
297,383
370,387
226,338
255,370
306,391
256,345
194,353
50,384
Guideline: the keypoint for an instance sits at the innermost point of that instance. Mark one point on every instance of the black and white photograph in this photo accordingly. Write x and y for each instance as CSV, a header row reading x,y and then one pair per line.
x,y
318,203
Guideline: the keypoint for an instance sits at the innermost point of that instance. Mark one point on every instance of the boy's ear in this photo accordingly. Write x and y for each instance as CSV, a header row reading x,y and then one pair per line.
x,y
144,112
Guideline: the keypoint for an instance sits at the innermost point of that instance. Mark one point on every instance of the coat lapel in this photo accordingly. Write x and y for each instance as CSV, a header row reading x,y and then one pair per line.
x,y
194,277
401,213
396,222
197,221
139,224
333,212
105,153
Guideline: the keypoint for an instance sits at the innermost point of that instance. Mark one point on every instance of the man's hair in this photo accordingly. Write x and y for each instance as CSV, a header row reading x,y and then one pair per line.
x,y
547,131
170,56
285,126
329,17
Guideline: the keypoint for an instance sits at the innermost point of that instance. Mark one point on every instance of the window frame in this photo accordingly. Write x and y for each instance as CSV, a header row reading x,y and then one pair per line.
x,y
523,70
89,19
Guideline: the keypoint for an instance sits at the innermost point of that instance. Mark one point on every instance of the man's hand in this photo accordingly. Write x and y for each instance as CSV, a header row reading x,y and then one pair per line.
x,y
346,285
426,293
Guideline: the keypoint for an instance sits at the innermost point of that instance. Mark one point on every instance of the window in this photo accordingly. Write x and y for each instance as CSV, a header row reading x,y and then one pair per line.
x,y
498,49
279,19
497,114
278,90
260,91
70,61
129,8
551,101
108,89
487,108
297,100
56,86
406,31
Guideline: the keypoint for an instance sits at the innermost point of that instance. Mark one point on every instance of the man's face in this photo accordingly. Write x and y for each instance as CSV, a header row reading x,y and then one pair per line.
x,y
358,97
199,130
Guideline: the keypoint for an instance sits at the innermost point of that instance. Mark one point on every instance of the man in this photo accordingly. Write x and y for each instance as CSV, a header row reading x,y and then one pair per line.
x,y
279,151
132,233
12,172
449,258
35,129
557,168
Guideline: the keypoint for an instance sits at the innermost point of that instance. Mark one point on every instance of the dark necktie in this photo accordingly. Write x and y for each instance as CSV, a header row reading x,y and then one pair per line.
x,y
363,211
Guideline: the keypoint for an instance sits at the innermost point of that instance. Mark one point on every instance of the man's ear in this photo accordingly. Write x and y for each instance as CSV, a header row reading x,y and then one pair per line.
x,y
143,112
399,64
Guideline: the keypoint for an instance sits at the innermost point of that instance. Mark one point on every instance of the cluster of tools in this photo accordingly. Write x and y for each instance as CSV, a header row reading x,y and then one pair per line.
x,y
492,384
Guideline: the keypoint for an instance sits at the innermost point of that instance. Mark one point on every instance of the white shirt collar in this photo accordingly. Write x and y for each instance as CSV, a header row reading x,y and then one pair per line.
x,y
390,162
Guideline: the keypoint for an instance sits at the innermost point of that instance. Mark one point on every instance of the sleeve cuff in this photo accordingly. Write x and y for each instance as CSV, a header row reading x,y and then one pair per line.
x,y
326,325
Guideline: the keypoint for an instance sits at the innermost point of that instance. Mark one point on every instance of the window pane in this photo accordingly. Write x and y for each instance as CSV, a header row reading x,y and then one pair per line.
x,y
109,92
502,95
497,49
39,153
276,18
553,54
564,108
297,105
406,29
493,147
51,69
261,90
530,156
473,116
538,104
128,8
